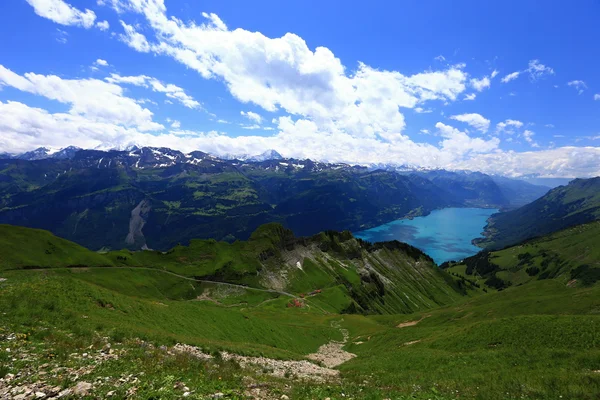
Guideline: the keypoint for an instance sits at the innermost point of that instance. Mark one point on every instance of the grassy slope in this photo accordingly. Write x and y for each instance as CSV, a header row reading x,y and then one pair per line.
x,y
564,206
24,247
354,276
535,341
572,253
539,341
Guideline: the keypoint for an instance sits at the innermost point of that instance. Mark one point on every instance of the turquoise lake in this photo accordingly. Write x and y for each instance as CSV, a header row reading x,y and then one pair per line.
x,y
444,234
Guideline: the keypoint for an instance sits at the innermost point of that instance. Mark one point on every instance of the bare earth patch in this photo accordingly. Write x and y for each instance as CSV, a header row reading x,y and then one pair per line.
x,y
278,368
332,354
410,323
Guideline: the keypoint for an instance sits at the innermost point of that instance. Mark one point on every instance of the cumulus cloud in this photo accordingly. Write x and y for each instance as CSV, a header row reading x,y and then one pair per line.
x,y
284,73
477,121
103,25
509,126
95,99
494,73
528,136
63,13
335,112
538,70
134,39
470,96
421,110
535,69
568,162
480,84
171,91
580,86
101,62
24,128
511,77
252,116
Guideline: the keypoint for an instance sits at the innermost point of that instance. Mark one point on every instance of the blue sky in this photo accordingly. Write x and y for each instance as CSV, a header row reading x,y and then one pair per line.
x,y
418,83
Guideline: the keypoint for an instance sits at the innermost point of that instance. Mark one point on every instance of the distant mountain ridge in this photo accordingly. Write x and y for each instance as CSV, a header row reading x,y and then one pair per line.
x,y
158,197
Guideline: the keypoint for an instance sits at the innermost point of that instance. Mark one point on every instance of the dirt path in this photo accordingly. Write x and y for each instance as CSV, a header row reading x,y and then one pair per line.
x,y
193,280
332,354
170,273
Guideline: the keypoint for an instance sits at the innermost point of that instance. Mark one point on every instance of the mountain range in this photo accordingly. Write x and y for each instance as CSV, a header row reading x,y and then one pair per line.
x,y
159,197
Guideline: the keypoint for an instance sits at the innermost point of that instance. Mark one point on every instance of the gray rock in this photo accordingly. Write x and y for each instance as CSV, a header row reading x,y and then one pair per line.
x,y
82,388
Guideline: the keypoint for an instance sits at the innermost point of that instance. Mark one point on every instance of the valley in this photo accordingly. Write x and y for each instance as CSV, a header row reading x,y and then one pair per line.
x,y
249,319
130,303
158,197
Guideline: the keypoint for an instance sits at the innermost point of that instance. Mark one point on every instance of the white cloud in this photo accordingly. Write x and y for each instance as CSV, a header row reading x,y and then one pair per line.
x,y
580,86
250,127
568,162
480,84
459,144
134,39
24,128
222,121
511,77
63,13
494,73
477,121
549,126
537,70
283,73
176,124
597,96
440,58
252,116
95,99
170,90
421,110
528,136
335,112
470,96
424,131
509,126
101,62
102,25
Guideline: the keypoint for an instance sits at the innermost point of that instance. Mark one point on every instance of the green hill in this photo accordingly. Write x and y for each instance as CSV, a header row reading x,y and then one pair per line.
x,y
571,256
564,206
421,337
351,275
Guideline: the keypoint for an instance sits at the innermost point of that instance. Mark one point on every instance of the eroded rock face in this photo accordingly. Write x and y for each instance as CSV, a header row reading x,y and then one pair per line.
x,y
139,215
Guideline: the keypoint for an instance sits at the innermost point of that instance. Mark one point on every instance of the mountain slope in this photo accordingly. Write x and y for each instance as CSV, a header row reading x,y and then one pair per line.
x,y
343,273
571,256
96,198
158,197
564,206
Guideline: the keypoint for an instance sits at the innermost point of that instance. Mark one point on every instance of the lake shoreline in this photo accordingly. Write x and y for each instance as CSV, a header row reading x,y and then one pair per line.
x,y
444,234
